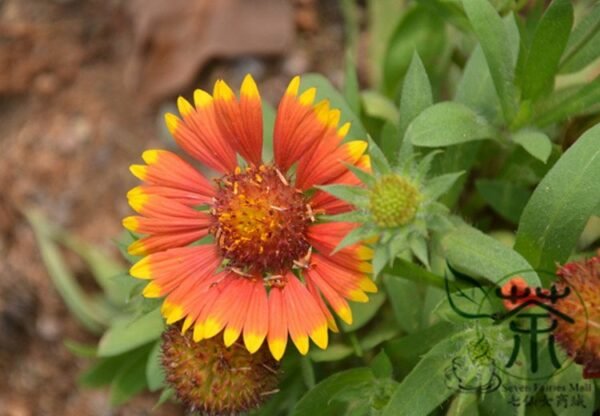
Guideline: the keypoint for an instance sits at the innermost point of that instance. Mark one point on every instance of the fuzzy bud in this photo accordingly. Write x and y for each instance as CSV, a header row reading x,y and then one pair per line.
x,y
215,380
394,201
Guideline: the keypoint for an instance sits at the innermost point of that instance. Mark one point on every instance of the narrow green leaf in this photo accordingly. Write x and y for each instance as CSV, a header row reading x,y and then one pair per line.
x,y
436,187
506,198
535,142
381,365
560,206
446,124
495,43
155,377
567,103
333,352
476,88
416,93
353,194
268,113
584,43
126,335
318,400
424,388
81,350
327,91
356,235
364,176
165,395
548,43
379,106
379,162
89,313
468,249
418,30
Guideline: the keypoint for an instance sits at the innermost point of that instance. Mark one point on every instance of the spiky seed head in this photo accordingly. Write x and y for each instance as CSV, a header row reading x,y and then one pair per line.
x,y
581,339
394,201
215,380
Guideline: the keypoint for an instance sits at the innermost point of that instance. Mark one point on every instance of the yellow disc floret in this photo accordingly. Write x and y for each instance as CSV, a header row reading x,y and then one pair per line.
x,y
394,201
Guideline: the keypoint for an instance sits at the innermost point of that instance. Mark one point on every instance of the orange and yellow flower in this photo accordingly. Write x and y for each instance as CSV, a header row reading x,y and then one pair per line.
x,y
270,270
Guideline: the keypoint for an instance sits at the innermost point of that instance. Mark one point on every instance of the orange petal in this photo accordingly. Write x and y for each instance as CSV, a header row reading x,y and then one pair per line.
x,y
241,121
161,242
257,318
297,125
199,134
166,169
278,326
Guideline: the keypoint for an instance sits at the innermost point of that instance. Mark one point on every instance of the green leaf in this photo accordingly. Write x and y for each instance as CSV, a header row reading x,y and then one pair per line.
x,y
81,350
536,143
476,88
379,162
405,352
561,205
327,91
469,250
104,370
355,236
87,311
334,352
362,313
548,43
495,43
381,365
446,124
416,93
506,198
439,185
130,380
318,401
418,30
406,301
584,43
379,106
568,102
424,388
165,395
155,376
126,334
349,193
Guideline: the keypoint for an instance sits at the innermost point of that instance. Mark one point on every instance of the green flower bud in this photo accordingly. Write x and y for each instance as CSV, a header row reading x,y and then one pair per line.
x,y
394,201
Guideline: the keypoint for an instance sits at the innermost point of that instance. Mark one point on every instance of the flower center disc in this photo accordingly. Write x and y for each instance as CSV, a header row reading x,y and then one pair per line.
x,y
261,220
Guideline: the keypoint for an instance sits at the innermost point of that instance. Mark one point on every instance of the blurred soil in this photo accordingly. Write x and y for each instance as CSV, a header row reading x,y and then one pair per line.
x,y
83,86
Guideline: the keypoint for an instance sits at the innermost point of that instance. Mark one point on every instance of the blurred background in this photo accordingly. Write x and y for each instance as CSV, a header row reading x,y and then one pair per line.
x,y
84,85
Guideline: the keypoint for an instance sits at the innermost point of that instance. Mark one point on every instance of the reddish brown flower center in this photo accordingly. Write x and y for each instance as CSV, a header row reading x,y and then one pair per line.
x,y
261,220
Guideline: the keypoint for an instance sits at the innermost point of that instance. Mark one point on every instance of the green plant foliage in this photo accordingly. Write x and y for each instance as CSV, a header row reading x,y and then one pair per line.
x,y
482,123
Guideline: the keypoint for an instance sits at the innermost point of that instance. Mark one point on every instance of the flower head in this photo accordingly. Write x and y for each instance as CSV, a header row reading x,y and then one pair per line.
x,y
269,270
214,379
581,339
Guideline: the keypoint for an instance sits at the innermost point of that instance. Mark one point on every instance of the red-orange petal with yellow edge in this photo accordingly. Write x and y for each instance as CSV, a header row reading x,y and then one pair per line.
x,y
236,316
166,169
184,197
241,120
199,134
278,325
335,300
257,318
297,125
312,289
161,242
323,166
